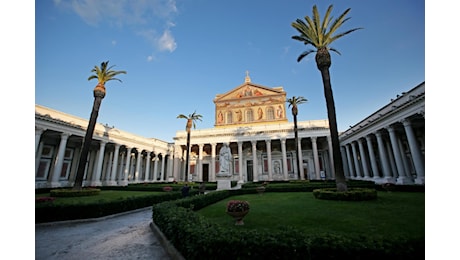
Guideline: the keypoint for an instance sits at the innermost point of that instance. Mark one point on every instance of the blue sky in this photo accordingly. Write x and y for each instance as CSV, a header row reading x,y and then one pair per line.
x,y
179,54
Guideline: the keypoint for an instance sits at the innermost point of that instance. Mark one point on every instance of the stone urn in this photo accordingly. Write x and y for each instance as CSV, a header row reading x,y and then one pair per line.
x,y
238,209
260,190
238,216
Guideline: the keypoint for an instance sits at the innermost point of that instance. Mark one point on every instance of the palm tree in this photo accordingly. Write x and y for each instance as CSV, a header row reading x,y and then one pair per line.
x,y
191,118
320,36
102,74
294,101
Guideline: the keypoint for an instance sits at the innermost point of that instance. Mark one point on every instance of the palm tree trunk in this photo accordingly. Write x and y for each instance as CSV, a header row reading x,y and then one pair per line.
x,y
296,137
338,166
87,143
187,156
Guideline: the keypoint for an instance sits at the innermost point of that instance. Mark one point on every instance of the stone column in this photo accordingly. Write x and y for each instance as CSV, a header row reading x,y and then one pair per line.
x,y
415,152
255,166
299,153
350,164
59,161
344,161
97,176
147,167
375,168
315,157
269,159
116,154
162,171
200,162
170,164
108,168
177,162
283,151
213,162
155,168
240,161
383,156
365,164
38,135
138,166
407,169
355,160
38,148
401,179
124,181
391,159
331,155
120,171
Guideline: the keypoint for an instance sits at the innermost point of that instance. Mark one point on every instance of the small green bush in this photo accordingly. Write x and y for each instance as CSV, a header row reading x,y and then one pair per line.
x,y
352,194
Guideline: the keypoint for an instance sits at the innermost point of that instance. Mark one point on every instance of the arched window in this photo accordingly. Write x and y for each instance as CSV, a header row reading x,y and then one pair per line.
x,y
249,116
270,113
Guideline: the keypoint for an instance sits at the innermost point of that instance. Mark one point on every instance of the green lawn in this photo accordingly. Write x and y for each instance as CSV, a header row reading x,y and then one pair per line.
x,y
392,214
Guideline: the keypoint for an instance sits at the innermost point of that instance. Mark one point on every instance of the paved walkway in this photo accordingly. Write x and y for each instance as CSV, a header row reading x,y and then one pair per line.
x,y
129,235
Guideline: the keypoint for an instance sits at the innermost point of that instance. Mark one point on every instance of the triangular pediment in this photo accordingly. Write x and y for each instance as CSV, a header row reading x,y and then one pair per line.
x,y
249,90
250,104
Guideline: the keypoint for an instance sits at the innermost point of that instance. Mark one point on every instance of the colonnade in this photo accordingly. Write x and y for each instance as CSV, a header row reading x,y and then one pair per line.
x,y
393,154
109,163
257,159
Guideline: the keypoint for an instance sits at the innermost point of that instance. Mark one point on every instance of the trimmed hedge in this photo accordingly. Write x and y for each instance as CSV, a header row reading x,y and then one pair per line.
x,y
49,212
74,193
352,194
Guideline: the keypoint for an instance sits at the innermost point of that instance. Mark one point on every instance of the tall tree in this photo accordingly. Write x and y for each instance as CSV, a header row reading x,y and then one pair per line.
x,y
294,101
191,118
320,35
103,74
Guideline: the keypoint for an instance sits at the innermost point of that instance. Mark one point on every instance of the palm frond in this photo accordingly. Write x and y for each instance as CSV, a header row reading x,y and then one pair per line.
x,y
104,74
320,34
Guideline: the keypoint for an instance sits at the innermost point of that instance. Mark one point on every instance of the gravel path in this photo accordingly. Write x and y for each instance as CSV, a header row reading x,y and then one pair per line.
x,y
122,236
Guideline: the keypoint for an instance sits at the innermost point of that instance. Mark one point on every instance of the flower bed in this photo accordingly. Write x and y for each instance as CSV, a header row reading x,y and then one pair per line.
x,y
167,188
237,206
44,199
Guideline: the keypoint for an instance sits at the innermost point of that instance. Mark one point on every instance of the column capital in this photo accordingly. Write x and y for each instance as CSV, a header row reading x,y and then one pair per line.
x,y
390,128
40,129
406,122
313,138
268,141
65,135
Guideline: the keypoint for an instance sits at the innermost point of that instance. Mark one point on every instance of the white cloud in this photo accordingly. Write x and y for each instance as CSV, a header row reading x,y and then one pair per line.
x,y
136,14
167,41
150,58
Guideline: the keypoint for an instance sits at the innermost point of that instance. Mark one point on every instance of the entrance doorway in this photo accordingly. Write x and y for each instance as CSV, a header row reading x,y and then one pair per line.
x,y
205,172
249,170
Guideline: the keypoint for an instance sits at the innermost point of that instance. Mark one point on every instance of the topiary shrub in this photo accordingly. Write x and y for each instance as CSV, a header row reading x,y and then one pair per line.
x,y
352,194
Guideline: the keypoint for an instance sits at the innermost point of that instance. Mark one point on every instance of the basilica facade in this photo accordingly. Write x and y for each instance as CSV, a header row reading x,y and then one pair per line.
x,y
252,120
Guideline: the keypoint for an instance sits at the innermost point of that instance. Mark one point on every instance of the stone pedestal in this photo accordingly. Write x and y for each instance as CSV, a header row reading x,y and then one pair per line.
x,y
223,182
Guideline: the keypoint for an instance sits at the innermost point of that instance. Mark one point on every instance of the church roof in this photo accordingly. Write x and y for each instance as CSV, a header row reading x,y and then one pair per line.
x,y
249,90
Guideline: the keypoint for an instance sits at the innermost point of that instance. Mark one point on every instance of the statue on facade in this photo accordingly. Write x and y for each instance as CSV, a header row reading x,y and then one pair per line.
x,y
225,156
